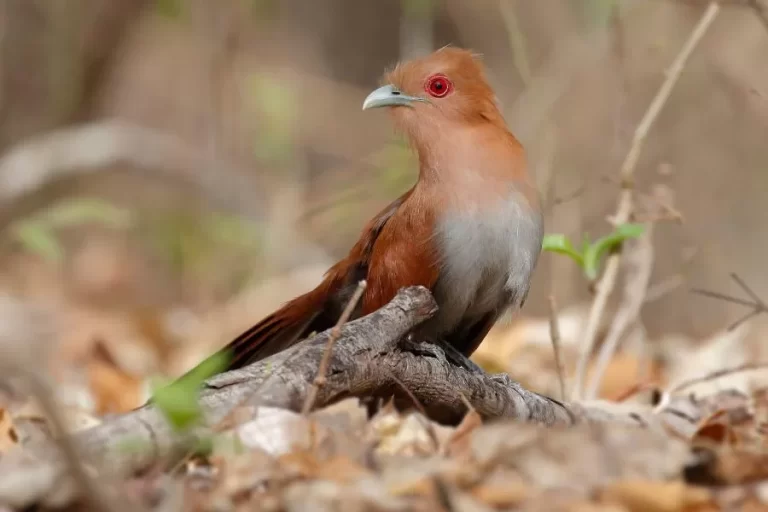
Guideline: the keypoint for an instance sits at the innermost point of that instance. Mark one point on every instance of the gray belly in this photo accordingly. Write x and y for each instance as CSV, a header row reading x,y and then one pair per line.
x,y
486,261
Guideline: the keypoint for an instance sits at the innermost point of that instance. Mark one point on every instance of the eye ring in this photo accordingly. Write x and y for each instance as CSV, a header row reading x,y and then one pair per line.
x,y
438,86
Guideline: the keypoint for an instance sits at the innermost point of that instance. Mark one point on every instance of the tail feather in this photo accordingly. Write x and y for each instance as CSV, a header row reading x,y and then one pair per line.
x,y
313,311
275,333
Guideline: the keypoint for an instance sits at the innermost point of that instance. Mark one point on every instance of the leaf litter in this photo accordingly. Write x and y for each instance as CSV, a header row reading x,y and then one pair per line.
x,y
703,447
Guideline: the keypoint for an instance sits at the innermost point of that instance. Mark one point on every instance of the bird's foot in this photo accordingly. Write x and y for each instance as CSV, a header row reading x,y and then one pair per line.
x,y
503,379
457,358
508,382
438,348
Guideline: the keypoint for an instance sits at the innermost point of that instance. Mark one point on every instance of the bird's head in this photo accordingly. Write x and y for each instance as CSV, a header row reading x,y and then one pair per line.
x,y
448,85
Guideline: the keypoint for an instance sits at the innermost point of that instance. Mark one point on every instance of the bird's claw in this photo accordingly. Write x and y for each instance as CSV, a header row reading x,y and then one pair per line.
x,y
457,358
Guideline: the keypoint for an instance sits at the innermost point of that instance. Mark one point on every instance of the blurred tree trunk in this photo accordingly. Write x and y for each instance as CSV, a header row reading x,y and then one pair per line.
x,y
50,80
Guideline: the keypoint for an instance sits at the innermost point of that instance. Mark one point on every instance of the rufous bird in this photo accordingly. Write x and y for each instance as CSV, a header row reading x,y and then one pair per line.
x,y
470,229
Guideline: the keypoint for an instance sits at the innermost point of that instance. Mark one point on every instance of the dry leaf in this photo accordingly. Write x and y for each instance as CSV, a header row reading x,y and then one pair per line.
x,y
459,441
597,507
9,437
113,390
502,496
719,428
276,431
648,496
740,465
74,418
241,474
404,435
622,373
342,470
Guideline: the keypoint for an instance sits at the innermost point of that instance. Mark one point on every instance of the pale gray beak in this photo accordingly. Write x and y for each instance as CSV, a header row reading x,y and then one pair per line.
x,y
388,96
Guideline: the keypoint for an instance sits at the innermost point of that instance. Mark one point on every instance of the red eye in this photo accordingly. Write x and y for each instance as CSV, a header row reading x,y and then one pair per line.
x,y
438,86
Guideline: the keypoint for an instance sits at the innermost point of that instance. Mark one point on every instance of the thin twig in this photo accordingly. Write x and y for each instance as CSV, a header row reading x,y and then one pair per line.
x,y
25,332
716,375
668,212
543,151
667,285
570,196
516,41
625,206
554,335
757,304
428,426
325,362
639,265
230,421
545,168
634,390
93,492
663,288
470,407
758,301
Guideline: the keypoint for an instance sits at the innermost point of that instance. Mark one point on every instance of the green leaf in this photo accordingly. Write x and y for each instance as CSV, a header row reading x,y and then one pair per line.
x,y
265,9
560,244
39,239
599,12
170,8
232,230
420,9
79,211
585,243
211,366
178,400
37,233
277,103
595,252
179,406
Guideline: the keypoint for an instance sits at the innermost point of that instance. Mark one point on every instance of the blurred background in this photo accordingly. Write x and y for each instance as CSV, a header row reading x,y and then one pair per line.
x,y
172,170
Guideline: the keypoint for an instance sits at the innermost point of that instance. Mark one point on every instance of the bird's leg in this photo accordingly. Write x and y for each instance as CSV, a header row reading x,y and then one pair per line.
x,y
459,359
452,355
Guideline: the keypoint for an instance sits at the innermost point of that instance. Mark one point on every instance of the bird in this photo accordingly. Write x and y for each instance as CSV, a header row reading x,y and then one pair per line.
x,y
470,229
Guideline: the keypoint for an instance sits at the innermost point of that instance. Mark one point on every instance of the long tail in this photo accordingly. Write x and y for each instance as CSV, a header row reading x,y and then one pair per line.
x,y
273,334
278,331
316,311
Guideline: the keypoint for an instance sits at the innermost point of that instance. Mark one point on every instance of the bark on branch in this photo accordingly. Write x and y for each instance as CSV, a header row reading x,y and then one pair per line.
x,y
370,358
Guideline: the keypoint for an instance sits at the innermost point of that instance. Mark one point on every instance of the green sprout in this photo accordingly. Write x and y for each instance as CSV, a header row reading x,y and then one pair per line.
x,y
37,234
591,255
276,101
418,9
172,9
178,400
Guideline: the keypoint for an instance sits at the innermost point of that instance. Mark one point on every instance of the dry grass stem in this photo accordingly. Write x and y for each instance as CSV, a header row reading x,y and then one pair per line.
x,y
625,206
757,304
44,395
554,334
325,362
748,367
639,265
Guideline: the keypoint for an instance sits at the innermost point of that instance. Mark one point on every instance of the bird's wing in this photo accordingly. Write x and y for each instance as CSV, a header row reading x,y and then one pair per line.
x,y
320,308
402,254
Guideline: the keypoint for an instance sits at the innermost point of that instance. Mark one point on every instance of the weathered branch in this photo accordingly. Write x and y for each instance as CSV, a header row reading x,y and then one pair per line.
x,y
371,358
92,147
